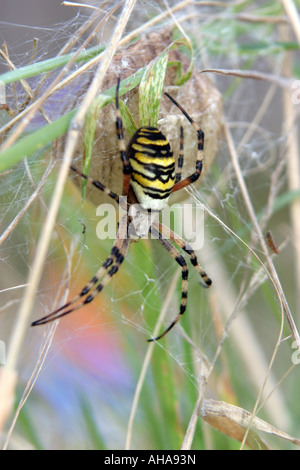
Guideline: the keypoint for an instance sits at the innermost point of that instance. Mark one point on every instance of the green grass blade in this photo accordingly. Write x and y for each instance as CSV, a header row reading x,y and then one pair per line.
x,y
47,65
127,118
38,139
35,141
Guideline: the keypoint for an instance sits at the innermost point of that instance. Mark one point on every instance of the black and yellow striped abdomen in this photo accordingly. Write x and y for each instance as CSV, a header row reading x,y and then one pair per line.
x,y
153,167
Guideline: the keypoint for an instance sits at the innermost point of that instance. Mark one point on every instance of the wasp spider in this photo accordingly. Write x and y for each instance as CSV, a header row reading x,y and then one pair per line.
x,y
148,179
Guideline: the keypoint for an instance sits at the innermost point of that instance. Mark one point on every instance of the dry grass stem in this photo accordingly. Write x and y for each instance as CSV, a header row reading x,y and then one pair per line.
x,y
280,81
31,110
247,345
252,126
293,16
227,304
253,218
292,150
42,247
29,201
263,387
146,362
31,382
59,83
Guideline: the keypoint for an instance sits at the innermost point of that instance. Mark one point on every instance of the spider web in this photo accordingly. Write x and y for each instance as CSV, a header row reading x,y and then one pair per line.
x,y
99,351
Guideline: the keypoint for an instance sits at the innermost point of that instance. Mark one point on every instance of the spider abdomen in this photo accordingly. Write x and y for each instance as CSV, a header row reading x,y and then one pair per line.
x,y
153,167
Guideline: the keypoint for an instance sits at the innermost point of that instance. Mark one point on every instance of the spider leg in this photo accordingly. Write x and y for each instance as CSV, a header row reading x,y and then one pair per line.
x,y
122,145
114,260
184,286
205,280
199,160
